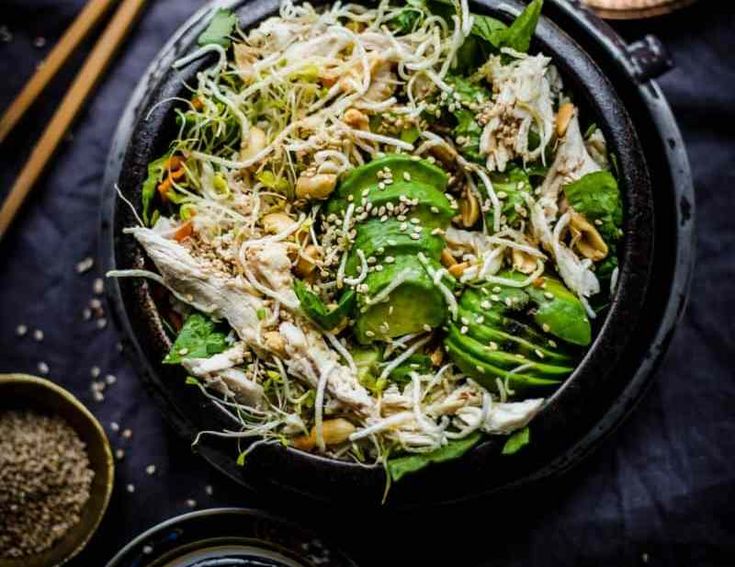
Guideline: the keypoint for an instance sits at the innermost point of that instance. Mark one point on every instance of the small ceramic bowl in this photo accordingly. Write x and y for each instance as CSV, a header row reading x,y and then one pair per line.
x,y
21,391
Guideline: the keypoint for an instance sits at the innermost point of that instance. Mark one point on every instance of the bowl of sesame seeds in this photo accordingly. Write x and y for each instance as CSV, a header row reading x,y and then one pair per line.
x,y
56,473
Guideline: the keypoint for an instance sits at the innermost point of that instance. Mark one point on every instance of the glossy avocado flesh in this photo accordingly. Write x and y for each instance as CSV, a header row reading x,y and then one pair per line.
x,y
381,239
425,202
486,374
501,328
407,202
408,308
367,176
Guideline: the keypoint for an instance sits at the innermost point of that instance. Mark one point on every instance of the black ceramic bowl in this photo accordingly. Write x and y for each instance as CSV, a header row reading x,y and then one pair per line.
x,y
575,412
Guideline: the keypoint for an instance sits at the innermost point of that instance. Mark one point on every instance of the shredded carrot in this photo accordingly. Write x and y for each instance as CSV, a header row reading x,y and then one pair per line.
x,y
184,231
164,187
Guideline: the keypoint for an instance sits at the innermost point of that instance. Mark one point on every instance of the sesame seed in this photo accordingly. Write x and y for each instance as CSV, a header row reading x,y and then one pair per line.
x,y
495,297
480,369
485,304
98,286
209,490
508,301
86,314
497,289
119,454
101,323
369,333
463,329
150,470
414,220
115,426
539,353
98,396
43,368
130,488
183,351
127,434
85,265
406,176
110,379
493,345
95,303
191,503
21,330
389,259
415,236
434,210
548,295
427,327
552,343
545,328
147,549
95,371
38,335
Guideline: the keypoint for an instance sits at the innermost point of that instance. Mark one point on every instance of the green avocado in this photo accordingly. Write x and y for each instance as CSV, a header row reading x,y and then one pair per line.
x,y
409,308
493,330
506,360
366,176
485,374
432,207
381,239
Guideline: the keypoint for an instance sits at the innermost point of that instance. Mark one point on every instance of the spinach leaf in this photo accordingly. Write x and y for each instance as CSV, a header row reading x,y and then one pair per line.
x,y
405,20
400,467
491,30
219,29
314,308
596,196
517,441
518,35
200,337
155,176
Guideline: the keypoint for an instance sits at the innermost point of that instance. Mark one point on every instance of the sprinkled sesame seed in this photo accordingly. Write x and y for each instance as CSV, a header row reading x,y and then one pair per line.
x,y
427,327
480,369
495,297
101,323
95,371
110,379
115,426
463,329
130,488
406,176
86,314
493,345
548,295
389,259
98,286
209,490
415,236
38,335
545,328
552,343
147,549
119,454
43,368
485,304
85,265
21,330
191,503
127,434
150,470
98,396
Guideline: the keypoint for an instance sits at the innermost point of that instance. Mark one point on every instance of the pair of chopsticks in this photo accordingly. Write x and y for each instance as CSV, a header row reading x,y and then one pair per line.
x,y
74,99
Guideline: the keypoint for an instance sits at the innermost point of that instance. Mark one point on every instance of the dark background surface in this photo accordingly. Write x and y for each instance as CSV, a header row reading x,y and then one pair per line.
x,y
660,491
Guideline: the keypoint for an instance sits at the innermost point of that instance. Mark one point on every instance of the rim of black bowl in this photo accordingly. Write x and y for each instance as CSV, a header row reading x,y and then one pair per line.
x,y
135,310
229,526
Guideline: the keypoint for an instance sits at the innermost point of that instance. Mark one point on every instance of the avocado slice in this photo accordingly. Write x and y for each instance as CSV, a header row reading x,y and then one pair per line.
x,y
380,239
485,374
409,308
366,176
516,343
506,360
432,206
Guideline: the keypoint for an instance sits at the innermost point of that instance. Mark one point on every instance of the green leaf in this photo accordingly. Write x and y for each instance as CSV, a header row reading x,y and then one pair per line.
x,y
518,35
405,21
596,196
219,29
314,308
155,175
467,132
517,441
489,29
198,338
400,467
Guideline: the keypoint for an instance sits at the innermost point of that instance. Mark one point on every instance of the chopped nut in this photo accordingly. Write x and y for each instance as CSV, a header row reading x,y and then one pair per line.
x,y
318,186
334,432
255,143
306,261
447,259
586,238
274,223
563,117
356,119
274,342
458,269
469,209
523,261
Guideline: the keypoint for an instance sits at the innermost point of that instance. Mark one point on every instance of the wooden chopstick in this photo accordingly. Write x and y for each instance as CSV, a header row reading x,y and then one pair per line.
x,y
73,36
73,101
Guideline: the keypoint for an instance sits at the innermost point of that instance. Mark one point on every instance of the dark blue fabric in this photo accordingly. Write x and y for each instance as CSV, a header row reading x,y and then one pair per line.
x,y
660,491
